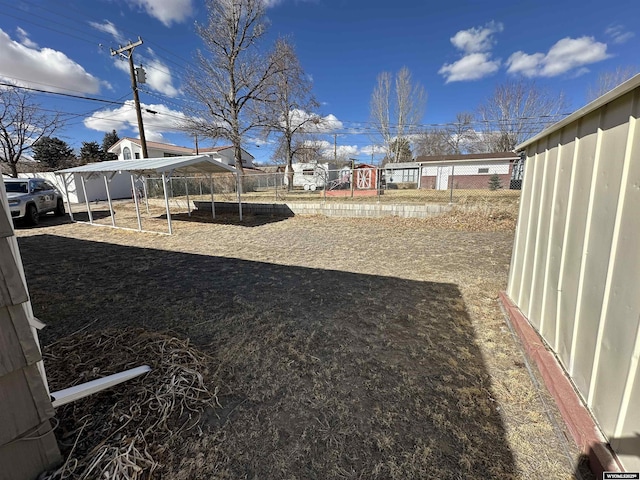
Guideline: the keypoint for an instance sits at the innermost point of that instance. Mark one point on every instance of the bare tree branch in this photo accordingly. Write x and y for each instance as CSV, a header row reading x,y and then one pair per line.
x,y
397,117
233,78
22,124
516,111
609,80
291,114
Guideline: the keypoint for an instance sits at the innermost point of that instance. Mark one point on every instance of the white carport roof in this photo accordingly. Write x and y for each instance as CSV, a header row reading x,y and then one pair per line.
x,y
165,167
187,165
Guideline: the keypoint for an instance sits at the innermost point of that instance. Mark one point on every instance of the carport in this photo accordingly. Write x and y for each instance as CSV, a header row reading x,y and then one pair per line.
x,y
166,168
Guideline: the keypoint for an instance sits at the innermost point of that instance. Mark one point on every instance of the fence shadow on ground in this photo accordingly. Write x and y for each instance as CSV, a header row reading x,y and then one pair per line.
x,y
322,373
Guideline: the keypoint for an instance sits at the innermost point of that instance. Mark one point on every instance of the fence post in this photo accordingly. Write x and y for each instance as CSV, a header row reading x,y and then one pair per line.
x,y
452,179
353,175
186,189
146,192
326,184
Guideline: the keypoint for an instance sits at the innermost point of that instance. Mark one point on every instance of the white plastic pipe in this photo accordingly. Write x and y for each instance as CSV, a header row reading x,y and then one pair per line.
x,y
71,394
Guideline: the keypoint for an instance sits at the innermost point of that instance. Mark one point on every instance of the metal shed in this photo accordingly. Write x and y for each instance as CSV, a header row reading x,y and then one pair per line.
x,y
575,268
163,167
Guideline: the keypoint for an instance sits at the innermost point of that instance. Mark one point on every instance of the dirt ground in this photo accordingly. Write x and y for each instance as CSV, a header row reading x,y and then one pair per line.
x,y
338,348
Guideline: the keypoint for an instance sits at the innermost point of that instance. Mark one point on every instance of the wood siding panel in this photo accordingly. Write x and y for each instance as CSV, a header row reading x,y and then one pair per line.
x,y
40,447
17,346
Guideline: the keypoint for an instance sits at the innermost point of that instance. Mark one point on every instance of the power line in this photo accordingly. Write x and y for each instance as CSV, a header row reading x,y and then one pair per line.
x,y
80,97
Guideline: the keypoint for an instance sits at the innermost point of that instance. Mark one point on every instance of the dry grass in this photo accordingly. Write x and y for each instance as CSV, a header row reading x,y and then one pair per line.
x,y
342,348
131,432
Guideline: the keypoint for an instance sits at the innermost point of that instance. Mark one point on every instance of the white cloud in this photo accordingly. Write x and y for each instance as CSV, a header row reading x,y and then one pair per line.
x,y
159,77
476,63
44,68
374,149
479,39
274,3
24,38
326,149
567,54
124,118
167,11
470,67
312,123
619,34
110,28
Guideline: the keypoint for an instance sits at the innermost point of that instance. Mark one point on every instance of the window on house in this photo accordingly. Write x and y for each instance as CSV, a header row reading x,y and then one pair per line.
x,y
126,153
137,155
483,170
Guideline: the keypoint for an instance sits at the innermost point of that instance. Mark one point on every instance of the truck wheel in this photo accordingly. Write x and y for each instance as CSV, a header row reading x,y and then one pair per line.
x,y
59,211
313,187
32,216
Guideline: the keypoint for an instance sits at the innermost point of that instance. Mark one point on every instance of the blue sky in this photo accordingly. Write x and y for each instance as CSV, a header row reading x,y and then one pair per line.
x,y
458,50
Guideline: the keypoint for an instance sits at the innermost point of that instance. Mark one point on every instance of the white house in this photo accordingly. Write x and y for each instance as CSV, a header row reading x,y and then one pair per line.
x,y
128,148
469,171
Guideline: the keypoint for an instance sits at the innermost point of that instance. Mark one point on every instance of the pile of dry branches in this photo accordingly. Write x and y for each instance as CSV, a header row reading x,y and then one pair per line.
x,y
133,430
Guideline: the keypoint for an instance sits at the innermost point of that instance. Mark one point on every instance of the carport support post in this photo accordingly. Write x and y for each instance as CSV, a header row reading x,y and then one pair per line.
x,y
238,180
66,193
166,201
106,185
135,199
213,204
186,189
86,199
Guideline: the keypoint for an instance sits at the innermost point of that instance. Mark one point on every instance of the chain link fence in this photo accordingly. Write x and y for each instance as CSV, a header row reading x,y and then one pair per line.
x,y
397,183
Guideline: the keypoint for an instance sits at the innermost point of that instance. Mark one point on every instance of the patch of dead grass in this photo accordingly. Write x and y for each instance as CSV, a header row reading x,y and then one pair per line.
x,y
340,353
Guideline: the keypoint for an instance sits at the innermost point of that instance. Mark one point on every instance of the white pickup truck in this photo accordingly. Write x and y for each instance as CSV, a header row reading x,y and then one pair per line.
x,y
31,197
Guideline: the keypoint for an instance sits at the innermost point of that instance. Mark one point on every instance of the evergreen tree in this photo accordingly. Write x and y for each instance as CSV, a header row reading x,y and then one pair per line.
x,y
494,182
91,152
52,152
109,140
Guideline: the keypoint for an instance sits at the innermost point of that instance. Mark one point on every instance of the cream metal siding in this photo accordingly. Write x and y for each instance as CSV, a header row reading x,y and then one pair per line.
x,y
575,269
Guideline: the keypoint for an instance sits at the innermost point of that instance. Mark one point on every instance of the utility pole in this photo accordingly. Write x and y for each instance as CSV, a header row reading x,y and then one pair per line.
x,y
134,85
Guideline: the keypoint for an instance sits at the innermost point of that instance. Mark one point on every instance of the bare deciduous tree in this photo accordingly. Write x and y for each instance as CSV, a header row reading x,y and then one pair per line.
x,y
233,79
461,134
397,113
452,139
516,111
609,80
432,142
292,111
22,124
